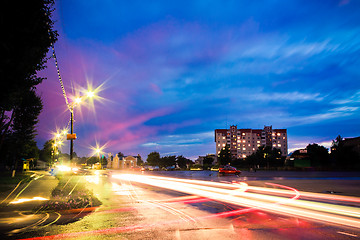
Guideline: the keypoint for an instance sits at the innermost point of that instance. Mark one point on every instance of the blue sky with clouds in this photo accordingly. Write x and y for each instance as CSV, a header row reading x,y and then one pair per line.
x,y
173,71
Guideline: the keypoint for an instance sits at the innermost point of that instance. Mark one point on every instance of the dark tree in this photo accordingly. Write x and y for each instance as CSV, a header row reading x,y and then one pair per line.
x,y
265,157
207,162
167,161
318,155
182,161
120,154
153,159
92,160
225,155
46,154
344,156
253,161
103,161
23,126
26,37
139,161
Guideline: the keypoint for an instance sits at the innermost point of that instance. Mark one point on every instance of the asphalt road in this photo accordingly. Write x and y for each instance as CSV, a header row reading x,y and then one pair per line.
x,y
151,206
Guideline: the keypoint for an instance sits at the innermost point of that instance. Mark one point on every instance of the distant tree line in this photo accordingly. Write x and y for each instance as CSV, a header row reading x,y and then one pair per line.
x,y
264,157
154,159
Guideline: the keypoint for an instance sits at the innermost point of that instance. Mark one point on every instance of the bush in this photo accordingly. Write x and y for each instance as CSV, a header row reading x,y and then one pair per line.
x,y
69,194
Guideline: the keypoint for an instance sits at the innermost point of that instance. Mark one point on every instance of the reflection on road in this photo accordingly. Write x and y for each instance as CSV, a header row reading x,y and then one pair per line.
x,y
259,198
234,202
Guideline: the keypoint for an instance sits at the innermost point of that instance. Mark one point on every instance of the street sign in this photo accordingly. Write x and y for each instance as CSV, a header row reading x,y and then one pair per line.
x,y
71,136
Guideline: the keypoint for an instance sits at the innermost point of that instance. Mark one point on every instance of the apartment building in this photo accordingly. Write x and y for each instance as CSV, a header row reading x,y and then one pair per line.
x,y
244,142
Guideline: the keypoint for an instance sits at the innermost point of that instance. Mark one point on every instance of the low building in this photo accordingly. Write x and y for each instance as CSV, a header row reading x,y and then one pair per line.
x,y
300,159
124,162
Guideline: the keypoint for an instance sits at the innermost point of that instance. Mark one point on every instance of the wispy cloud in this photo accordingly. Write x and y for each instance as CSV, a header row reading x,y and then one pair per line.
x,y
334,113
176,73
287,96
355,98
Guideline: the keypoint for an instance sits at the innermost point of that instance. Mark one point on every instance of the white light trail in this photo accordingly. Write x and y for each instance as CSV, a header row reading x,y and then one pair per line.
x,y
239,194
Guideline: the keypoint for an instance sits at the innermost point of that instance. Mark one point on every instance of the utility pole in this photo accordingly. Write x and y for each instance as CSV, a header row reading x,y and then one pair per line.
x,y
71,132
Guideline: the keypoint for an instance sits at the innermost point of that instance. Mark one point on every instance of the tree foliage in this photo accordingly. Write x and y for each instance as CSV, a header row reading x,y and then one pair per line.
x,y
27,36
153,159
139,161
225,155
265,157
318,155
167,161
207,162
182,161
47,152
344,156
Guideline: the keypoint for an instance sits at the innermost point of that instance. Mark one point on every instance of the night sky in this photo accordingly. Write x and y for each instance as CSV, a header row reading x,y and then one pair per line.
x,y
170,72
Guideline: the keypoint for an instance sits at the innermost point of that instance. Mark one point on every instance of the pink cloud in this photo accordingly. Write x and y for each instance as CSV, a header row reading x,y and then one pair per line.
x,y
156,88
344,2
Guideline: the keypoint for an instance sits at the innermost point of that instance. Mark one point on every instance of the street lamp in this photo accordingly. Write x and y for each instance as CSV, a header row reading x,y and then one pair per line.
x,y
98,150
72,136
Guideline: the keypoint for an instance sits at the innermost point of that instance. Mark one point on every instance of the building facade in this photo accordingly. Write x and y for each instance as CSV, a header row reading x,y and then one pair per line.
x,y
124,162
244,142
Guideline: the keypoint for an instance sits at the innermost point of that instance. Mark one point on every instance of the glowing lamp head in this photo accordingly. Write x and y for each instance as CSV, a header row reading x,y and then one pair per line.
x,y
90,94
77,100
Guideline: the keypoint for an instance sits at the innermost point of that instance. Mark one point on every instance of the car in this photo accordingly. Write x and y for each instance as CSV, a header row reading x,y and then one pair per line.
x,y
229,170
137,169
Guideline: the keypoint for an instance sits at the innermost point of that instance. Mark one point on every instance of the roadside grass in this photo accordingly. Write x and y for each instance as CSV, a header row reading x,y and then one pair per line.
x,y
69,194
7,182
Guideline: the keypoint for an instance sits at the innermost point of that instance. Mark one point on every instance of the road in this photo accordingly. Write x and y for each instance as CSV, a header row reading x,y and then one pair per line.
x,y
190,205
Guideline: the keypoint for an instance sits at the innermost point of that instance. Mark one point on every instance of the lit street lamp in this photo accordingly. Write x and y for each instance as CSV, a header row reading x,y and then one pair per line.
x,y
72,136
98,150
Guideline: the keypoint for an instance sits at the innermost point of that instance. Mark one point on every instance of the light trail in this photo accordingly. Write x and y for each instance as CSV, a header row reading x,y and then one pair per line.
x,y
237,194
331,213
22,200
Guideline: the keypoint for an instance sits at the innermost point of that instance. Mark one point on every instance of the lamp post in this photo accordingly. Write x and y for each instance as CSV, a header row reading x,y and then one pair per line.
x,y
71,132
72,135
